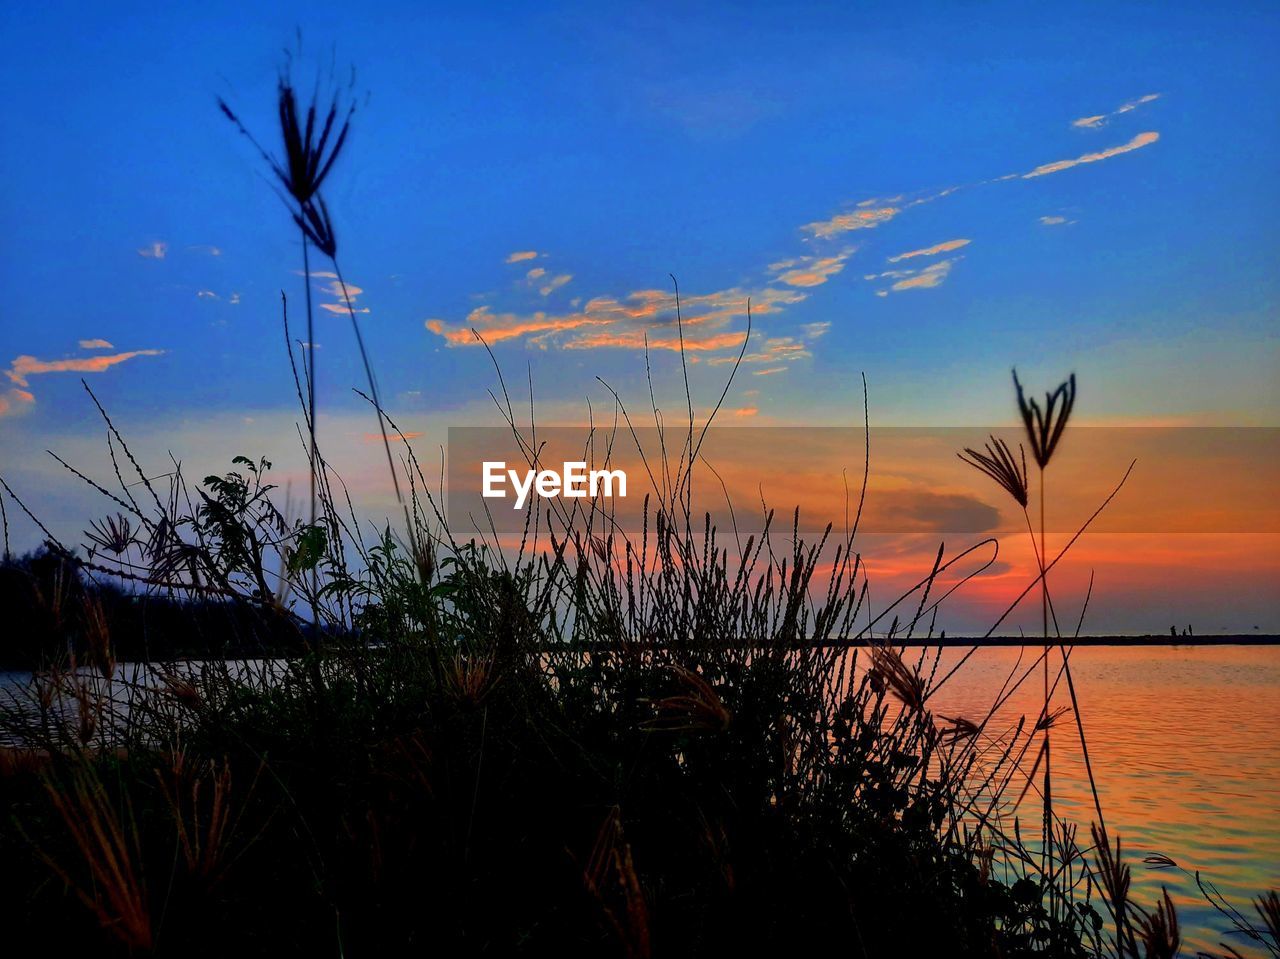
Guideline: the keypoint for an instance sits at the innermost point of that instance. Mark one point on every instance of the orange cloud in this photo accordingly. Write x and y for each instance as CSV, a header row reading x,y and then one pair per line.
x,y
623,322
1137,143
857,220
95,345
519,255
946,247
495,327
926,279
746,411
392,437
635,339
15,401
806,271
25,366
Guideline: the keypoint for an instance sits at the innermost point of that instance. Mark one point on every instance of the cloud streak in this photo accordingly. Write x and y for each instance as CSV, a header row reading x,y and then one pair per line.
x,y
863,219
809,271
926,279
335,289
1137,143
937,248
23,367
1101,119
554,283
644,317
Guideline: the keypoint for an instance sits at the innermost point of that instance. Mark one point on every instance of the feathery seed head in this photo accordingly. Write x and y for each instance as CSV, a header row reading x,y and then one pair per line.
x,y
1045,425
998,462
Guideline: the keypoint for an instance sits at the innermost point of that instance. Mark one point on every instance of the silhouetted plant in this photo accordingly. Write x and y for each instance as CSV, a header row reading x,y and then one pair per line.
x,y
1045,425
998,462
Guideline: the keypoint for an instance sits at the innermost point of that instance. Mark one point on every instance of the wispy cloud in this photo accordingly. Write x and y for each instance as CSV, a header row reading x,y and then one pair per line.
x,y
205,248
861,219
206,295
924,279
606,321
1055,220
15,401
927,278
25,366
496,327
1137,143
807,271
335,289
555,283
746,411
647,318
673,342
95,345
155,251
937,248
1094,122
392,437
774,349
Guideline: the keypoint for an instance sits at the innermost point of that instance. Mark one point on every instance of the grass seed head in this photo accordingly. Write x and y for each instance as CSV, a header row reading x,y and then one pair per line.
x,y
1045,424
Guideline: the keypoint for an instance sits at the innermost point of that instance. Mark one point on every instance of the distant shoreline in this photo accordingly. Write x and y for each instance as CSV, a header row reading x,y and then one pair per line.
x,y
1230,639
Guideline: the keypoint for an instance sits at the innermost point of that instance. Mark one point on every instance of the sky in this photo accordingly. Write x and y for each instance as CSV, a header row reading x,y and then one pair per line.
x,y
927,194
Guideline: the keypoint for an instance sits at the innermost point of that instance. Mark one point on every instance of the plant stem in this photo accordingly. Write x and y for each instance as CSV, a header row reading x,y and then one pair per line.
x,y
1044,611
373,387
311,415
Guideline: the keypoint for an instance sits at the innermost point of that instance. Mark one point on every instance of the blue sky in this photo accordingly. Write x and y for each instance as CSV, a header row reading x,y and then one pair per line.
x,y
732,146
624,145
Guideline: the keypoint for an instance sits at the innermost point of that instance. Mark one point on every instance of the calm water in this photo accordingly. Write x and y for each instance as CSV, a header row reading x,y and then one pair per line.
x,y
1185,744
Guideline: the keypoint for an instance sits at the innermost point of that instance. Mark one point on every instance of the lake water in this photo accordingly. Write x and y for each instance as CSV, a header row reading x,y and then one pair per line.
x,y
1185,745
